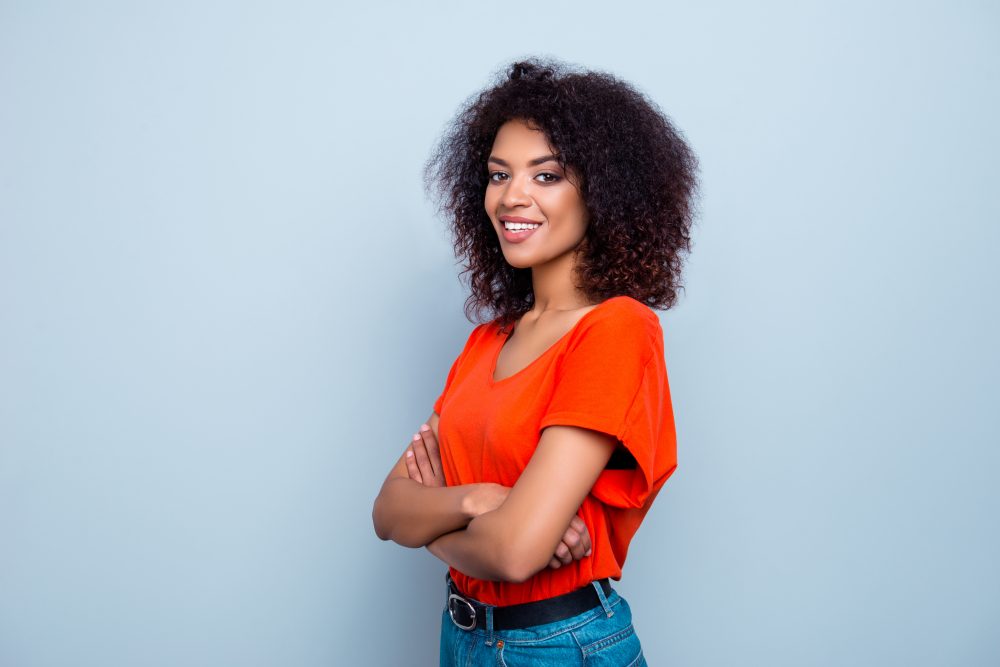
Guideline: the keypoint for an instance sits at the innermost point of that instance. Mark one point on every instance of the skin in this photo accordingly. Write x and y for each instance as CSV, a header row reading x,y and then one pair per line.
x,y
488,531
414,507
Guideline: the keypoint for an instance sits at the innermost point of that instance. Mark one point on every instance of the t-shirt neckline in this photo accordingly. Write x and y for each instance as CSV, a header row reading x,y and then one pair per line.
x,y
534,362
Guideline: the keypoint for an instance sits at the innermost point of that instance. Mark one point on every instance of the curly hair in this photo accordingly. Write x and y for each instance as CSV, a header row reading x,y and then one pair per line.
x,y
637,180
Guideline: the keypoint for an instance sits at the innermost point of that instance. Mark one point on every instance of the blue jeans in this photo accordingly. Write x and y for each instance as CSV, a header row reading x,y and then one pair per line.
x,y
600,636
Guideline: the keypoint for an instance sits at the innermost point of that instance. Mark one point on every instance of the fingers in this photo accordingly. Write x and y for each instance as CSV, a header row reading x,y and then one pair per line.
x,y
411,466
431,444
433,453
581,529
423,461
575,543
564,551
568,548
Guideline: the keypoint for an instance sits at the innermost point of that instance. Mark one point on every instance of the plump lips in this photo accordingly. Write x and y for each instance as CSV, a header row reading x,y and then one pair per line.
x,y
520,235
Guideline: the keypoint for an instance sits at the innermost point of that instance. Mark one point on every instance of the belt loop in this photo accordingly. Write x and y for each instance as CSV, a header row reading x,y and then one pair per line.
x,y
447,588
604,600
489,624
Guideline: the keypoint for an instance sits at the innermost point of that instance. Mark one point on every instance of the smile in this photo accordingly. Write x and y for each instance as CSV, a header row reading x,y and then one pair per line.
x,y
515,232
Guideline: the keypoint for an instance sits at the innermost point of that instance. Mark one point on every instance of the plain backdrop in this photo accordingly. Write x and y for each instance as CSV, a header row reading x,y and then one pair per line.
x,y
226,304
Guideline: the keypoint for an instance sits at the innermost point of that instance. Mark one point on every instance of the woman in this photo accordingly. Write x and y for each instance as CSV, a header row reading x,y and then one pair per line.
x,y
570,200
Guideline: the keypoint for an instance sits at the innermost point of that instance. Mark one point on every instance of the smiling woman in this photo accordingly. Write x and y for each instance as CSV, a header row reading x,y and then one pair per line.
x,y
532,197
569,196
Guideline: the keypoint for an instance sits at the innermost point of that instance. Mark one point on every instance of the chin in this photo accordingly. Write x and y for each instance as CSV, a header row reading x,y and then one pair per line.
x,y
519,264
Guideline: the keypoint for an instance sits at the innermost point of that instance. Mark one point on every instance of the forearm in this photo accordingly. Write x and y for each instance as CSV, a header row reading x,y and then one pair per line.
x,y
466,555
480,550
411,514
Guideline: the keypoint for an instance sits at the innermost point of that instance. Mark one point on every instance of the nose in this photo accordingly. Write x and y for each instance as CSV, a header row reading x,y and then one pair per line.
x,y
515,193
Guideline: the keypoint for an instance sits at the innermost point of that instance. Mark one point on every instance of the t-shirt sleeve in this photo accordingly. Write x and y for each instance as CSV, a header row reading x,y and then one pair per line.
x,y
455,366
612,378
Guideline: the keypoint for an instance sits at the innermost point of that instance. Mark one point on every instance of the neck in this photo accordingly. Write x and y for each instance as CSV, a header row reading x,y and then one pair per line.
x,y
553,288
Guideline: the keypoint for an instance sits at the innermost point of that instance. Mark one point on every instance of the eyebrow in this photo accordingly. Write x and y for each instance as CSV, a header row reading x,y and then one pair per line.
x,y
531,163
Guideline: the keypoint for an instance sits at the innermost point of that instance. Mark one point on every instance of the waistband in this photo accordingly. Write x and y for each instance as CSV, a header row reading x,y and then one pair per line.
x,y
467,613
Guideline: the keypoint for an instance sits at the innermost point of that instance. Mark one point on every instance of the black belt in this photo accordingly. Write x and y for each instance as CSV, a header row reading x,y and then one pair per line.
x,y
468,614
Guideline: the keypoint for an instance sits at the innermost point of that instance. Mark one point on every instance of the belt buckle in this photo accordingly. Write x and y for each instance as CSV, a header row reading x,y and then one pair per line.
x,y
451,611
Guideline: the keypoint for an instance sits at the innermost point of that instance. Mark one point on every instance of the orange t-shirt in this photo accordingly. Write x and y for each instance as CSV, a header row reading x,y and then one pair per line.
x,y
608,374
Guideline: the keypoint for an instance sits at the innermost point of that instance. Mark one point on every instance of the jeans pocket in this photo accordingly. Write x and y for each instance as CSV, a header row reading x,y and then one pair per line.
x,y
560,649
610,641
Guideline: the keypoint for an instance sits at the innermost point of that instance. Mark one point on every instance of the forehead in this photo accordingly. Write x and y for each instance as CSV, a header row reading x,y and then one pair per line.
x,y
516,139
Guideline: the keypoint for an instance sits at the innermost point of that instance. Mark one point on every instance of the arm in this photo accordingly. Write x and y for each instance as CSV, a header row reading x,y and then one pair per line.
x,y
517,540
421,462
413,514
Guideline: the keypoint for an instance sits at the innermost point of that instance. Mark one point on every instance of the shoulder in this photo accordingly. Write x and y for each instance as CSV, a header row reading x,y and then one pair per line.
x,y
620,325
625,307
484,330
478,336
626,315
483,335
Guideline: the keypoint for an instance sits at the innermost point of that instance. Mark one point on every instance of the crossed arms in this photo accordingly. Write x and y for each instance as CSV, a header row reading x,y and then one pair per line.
x,y
486,530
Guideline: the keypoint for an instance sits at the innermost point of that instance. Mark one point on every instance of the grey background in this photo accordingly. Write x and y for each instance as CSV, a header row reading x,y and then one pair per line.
x,y
225,305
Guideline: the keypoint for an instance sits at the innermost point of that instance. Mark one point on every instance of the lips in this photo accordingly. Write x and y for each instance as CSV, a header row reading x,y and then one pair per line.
x,y
512,236
514,218
518,236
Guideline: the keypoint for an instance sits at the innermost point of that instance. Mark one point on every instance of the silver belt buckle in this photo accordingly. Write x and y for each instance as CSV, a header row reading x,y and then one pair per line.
x,y
451,611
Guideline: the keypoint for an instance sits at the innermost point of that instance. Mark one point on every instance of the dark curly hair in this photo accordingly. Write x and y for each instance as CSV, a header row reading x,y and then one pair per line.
x,y
637,180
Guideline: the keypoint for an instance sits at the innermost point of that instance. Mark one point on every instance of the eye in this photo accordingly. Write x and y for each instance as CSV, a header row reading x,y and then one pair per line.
x,y
494,175
550,177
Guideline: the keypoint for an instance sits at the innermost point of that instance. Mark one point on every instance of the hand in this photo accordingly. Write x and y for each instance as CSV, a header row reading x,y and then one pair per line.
x,y
575,544
485,497
423,459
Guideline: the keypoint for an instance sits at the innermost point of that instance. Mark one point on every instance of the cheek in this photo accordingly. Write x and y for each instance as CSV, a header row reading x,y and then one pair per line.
x,y
568,208
490,201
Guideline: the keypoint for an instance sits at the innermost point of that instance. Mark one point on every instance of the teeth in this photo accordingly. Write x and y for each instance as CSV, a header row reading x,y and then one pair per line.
x,y
515,226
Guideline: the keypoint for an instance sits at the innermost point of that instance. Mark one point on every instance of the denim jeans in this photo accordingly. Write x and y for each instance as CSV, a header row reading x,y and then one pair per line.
x,y
600,636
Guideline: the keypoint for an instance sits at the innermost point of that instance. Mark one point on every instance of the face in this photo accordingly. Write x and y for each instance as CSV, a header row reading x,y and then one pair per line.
x,y
546,217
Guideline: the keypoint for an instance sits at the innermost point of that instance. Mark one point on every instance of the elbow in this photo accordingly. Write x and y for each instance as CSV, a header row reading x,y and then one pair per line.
x,y
520,563
516,574
381,529
386,531
383,526
382,514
